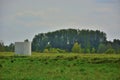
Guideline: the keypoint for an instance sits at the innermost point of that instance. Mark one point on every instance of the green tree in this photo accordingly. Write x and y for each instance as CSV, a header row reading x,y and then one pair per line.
x,y
116,45
101,48
65,38
11,47
76,48
26,40
110,51
93,50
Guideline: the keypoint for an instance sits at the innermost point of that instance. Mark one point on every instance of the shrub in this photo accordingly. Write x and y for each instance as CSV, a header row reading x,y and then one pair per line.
x,y
53,50
46,51
110,51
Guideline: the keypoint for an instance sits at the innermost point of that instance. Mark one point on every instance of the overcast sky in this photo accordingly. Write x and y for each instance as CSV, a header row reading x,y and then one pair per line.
x,y
23,19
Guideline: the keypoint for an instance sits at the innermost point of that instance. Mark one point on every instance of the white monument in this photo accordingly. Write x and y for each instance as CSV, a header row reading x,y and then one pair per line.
x,y
23,48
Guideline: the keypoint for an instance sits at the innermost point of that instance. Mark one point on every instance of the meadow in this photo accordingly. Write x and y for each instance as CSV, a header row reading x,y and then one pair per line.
x,y
54,66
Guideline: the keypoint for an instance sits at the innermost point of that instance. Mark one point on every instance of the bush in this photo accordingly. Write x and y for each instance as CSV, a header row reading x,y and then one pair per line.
x,y
54,50
110,51
46,51
60,50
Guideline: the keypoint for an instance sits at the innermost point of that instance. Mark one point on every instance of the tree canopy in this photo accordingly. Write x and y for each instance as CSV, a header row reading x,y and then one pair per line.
x,y
65,39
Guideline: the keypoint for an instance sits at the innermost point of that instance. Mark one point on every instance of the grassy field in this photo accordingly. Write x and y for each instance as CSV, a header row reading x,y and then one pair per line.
x,y
43,66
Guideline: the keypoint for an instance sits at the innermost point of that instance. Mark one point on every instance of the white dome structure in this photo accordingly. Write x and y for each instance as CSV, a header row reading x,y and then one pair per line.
x,y
23,48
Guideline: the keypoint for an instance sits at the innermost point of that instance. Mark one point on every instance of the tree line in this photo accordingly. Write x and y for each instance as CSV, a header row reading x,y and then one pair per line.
x,y
6,48
71,40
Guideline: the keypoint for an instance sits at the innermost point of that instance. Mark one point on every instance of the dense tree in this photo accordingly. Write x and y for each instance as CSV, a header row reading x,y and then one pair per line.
x,y
101,48
93,50
87,50
11,47
65,38
116,45
5,48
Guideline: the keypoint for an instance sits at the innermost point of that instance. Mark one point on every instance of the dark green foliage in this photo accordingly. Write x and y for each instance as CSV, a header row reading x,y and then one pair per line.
x,y
65,38
101,48
26,40
109,51
116,45
9,48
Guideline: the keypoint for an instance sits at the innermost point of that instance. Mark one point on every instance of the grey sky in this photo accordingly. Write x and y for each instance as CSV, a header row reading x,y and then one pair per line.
x,y
22,19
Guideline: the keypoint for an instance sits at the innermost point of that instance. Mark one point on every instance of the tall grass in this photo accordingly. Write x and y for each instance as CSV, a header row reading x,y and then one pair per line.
x,y
68,66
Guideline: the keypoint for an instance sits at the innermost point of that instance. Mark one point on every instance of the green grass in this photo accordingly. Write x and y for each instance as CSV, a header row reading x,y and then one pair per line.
x,y
60,66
